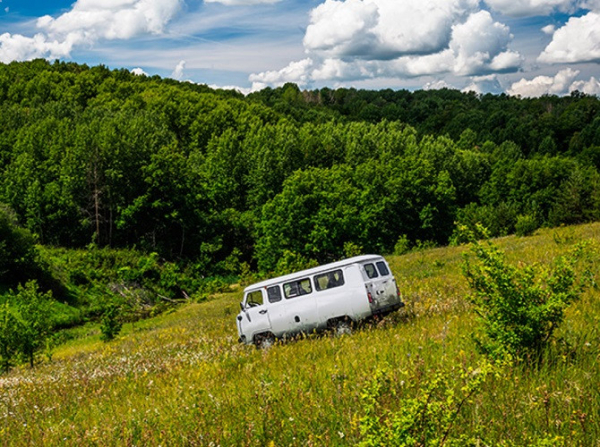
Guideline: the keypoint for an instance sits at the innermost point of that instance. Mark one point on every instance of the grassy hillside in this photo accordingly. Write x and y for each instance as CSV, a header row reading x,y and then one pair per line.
x,y
182,378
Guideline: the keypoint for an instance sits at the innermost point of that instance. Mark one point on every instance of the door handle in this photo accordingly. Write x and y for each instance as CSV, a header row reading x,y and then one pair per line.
x,y
262,312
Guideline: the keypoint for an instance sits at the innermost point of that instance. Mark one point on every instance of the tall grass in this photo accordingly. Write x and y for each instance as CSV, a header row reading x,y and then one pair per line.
x,y
182,378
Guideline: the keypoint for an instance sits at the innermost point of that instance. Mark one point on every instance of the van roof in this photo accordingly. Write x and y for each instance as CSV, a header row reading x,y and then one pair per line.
x,y
313,271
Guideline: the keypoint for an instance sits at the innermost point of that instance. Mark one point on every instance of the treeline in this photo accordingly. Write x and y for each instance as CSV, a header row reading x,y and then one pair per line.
x,y
549,125
90,155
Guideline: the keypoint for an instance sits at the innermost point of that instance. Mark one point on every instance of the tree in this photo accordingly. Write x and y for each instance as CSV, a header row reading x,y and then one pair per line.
x,y
9,337
33,314
18,255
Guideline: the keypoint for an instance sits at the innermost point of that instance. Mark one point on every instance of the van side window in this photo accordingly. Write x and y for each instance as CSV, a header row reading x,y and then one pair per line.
x,y
255,298
371,272
297,288
274,294
383,270
329,280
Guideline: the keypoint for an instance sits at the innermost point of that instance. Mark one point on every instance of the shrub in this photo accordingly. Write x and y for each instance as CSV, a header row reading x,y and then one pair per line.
x,y
526,225
427,414
402,245
519,306
111,324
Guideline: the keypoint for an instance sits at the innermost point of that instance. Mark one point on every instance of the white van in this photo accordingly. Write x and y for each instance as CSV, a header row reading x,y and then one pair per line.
x,y
329,296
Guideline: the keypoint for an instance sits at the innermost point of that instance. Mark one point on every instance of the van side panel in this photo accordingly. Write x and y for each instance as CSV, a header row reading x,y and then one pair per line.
x,y
349,300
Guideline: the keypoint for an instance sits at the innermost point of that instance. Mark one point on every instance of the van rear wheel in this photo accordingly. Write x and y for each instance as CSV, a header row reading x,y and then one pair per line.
x,y
342,326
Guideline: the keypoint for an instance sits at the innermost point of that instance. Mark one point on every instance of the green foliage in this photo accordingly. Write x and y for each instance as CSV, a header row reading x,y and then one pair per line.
x,y
9,337
34,320
110,324
182,378
97,277
519,307
402,245
290,262
19,259
428,407
215,179
526,225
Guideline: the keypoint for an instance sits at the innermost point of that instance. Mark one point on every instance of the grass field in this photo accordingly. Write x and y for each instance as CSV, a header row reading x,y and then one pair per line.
x,y
182,378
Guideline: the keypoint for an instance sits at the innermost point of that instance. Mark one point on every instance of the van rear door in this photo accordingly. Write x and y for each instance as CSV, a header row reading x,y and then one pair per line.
x,y
381,286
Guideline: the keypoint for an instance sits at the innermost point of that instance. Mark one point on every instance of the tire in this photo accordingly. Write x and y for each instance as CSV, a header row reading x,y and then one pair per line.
x,y
343,326
264,341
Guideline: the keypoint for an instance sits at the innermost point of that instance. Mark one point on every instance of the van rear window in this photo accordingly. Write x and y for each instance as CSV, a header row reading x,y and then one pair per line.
x,y
371,271
383,270
297,288
329,280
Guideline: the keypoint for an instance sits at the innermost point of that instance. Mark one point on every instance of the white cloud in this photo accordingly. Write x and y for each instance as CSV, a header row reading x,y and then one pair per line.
x,y
545,85
357,48
437,85
87,22
111,19
17,47
549,29
577,41
527,8
383,29
244,91
592,5
178,73
591,87
484,84
480,44
297,72
139,72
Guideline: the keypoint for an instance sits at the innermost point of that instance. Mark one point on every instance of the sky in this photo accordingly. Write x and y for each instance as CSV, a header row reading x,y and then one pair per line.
x,y
527,48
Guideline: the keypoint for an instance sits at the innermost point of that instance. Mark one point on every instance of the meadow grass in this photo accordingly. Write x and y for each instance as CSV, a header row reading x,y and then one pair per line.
x,y
182,378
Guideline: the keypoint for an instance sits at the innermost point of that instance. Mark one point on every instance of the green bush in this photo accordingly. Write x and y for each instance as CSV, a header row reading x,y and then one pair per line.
x,y
402,245
111,323
526,225
428,407
519,307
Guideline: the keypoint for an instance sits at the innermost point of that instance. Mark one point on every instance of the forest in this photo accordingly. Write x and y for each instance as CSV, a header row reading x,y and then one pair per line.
x,y
219,183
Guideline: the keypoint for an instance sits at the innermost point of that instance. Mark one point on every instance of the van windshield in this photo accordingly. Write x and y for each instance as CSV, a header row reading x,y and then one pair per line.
x,y
254,299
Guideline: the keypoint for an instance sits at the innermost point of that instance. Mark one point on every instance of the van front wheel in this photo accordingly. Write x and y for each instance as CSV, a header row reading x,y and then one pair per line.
x,y
264,341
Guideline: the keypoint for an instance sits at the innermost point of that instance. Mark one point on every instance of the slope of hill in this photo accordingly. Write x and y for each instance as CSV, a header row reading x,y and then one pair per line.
x,y
182,378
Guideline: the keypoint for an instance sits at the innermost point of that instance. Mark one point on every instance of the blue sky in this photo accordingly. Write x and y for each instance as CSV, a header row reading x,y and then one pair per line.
x,y
527,48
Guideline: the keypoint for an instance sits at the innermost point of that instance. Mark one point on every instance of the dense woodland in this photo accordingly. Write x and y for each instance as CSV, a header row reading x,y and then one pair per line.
x,y
217,180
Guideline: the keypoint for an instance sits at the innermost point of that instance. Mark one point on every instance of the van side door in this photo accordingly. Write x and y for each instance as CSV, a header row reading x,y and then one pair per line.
x,y
300,306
